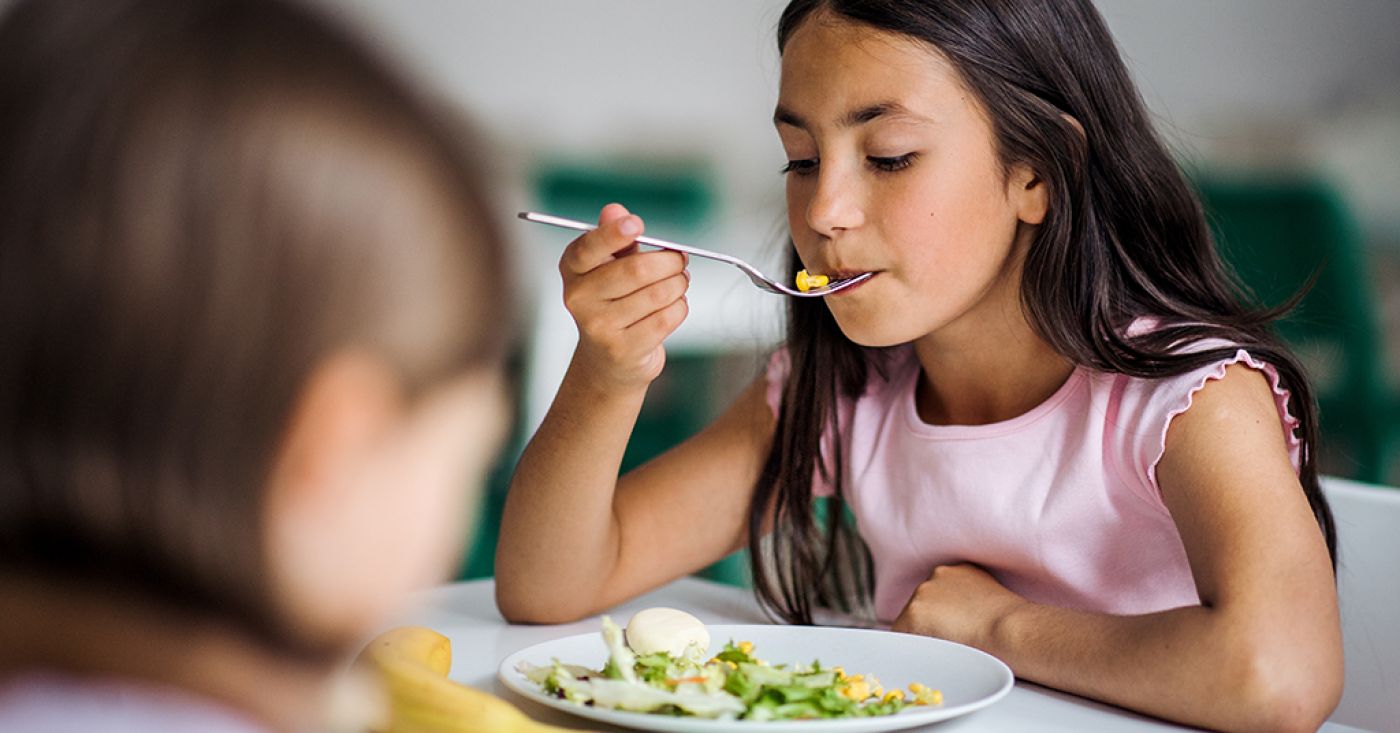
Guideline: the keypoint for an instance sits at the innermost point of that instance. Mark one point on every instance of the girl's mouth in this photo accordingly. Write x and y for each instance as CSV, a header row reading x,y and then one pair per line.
x,y
846,275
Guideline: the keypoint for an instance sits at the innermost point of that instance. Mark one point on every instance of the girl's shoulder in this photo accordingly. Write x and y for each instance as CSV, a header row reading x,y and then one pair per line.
x,y
1139,410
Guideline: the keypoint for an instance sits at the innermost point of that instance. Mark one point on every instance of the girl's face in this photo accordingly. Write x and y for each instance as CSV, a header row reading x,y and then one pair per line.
x,y
373,496
893,170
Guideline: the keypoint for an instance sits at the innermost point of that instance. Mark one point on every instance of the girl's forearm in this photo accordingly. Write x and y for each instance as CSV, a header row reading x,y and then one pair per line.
x,y
558,532
1192,664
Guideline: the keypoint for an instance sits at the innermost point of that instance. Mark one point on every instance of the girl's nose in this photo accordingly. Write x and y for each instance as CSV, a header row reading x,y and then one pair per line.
x,y
834,206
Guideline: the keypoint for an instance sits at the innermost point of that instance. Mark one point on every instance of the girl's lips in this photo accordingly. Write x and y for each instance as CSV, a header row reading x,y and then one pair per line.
x,y
847,275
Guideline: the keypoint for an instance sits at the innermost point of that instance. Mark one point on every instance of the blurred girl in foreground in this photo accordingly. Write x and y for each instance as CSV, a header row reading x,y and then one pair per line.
x,y
242,383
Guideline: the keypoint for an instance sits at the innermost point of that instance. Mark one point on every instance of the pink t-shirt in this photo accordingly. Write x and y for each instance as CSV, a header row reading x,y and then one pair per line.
x,y
50,702
1060,504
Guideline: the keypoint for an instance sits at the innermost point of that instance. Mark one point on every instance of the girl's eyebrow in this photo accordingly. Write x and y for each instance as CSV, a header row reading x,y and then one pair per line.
x,y
858,116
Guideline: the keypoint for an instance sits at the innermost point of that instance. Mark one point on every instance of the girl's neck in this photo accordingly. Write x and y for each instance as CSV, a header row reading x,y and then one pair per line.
x,y
89,633
986,371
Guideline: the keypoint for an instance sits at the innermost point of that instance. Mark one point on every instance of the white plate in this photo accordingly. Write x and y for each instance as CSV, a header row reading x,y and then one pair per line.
x,y
970,679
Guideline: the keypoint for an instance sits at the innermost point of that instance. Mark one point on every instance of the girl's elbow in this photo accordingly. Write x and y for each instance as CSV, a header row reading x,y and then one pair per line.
x,y
1290,694
513,609
1290,713
518,607
520,604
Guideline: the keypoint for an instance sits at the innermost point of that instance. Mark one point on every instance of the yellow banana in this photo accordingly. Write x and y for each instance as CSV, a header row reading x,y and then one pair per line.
x,y
417,643
413,663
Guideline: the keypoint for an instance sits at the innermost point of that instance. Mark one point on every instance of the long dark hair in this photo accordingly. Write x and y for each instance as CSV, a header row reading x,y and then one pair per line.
x,y
200,202
1124,237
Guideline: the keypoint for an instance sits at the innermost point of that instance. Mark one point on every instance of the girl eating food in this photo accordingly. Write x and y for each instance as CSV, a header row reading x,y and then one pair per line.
x,y
1049,426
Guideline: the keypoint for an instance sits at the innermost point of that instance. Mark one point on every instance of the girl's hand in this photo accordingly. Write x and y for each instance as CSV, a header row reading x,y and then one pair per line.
x,y
961,603
625,302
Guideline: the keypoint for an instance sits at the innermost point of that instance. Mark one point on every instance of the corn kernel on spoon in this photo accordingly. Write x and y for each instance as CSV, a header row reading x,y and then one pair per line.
x,y
813,287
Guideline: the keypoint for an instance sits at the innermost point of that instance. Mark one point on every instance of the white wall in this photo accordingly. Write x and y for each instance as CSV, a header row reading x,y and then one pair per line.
x,y
605,77
1208,63
1311,82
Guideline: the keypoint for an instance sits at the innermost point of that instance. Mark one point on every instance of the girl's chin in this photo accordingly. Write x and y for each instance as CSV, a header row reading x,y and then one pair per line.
x,y
875,332
876,318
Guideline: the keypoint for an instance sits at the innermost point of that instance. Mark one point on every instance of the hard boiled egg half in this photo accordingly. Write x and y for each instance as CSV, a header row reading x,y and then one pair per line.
x,y
668,630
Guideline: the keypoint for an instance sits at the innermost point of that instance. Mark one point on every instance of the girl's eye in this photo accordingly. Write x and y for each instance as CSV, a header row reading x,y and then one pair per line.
x,y
800,167
890,165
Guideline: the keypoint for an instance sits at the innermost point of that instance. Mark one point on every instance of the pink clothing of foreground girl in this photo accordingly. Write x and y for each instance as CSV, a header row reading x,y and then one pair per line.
x,y
52,703
1060,504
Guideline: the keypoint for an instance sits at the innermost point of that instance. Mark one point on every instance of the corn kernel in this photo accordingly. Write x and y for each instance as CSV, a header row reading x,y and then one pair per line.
x,y
840,672
856,691
806,281
893,695
925,696
746,647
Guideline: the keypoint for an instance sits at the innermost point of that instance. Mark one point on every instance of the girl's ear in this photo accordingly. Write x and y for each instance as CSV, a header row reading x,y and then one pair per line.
x,y
347,403
1029,193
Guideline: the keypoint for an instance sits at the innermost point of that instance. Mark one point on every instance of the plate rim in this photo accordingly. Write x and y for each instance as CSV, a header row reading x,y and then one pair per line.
x,y
516,682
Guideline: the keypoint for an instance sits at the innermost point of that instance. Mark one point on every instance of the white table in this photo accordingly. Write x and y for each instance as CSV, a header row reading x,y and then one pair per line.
x,y
466,613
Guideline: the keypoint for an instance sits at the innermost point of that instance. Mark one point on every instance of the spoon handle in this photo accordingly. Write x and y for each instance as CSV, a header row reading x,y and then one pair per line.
x,y
561,222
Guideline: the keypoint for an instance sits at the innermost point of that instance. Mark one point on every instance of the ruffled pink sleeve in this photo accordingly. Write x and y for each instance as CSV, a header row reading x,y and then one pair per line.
x,y
1150,405
779,366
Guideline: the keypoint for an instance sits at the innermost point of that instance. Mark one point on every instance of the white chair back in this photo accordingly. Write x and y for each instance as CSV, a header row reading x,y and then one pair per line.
x,y
1368,584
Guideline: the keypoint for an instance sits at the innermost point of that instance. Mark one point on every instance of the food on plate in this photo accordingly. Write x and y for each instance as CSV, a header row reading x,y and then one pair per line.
x,y
412,663
807,282
733,684
667,630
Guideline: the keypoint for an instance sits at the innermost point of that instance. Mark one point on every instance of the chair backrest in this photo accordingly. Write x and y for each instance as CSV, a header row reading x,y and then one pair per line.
x,y
1368,583
1276,233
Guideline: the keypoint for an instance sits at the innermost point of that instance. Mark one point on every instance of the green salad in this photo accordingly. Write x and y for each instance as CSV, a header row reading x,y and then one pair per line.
x,y
733,684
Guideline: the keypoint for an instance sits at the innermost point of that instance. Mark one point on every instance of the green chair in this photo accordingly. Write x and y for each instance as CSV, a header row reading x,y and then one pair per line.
x,y
675,193
1276,233
480,560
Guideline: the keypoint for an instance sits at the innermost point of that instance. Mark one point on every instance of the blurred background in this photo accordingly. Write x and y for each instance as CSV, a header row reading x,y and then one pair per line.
x,y
1286,114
